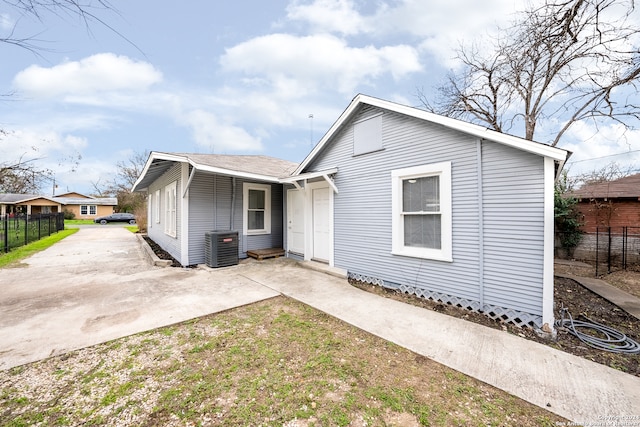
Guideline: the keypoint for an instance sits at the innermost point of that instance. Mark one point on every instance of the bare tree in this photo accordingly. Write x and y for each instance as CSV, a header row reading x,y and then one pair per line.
x,y
87,12
127,172
23,175
560,63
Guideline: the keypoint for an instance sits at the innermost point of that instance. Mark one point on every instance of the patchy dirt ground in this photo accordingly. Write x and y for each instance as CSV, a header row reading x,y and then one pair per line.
x,y
161,253
628,281
274,363
568,293
578,300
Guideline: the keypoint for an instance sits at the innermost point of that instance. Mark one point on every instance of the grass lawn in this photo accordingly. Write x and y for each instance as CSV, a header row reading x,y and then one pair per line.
x,y
274,363
16,255
77,222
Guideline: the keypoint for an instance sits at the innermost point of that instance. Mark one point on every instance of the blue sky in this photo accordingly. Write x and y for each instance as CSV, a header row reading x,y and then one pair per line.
x,y
237,77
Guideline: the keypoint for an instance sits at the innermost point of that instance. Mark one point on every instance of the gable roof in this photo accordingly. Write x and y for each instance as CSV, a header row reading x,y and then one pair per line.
x,y
102,201
256,167
559,155
74,194
13,198
628,186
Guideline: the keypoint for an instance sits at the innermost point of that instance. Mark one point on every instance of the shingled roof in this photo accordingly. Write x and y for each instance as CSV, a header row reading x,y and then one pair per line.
x,y
627,187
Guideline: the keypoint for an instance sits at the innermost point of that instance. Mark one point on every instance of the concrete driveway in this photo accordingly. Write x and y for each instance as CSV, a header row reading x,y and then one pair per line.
x,y
97,285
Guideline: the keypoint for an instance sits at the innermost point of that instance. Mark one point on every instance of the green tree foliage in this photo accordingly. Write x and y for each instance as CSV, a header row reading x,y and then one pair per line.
x,y
567,217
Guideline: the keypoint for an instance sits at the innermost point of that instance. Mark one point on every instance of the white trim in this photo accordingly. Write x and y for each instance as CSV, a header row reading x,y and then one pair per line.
x,y
246,186
308,175
308,220
183,213
170,209
88,210
547,275
291,214
185,159
158,206
443,170
482,132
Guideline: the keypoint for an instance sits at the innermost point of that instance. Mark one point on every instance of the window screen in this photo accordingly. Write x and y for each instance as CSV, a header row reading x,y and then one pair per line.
x,y
256,211
421,212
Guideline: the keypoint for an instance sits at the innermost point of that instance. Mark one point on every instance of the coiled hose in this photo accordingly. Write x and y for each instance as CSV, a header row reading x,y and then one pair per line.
x,y
614,341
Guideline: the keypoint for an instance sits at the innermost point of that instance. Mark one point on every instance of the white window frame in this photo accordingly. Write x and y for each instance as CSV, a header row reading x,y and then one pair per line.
x,y
171,216
443,170
84,209
267,207
93,210
156,212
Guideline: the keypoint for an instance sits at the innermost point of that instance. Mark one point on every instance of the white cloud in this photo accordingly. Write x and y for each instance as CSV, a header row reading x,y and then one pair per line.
x,y
594,148
101,73
300,65
334,16
437,26
219,137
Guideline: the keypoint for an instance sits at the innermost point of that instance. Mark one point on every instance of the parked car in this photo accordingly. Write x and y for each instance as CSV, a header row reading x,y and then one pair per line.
x,y
116,217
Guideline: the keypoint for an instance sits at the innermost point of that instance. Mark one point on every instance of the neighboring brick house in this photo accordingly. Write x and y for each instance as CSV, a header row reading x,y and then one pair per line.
x,y
610,204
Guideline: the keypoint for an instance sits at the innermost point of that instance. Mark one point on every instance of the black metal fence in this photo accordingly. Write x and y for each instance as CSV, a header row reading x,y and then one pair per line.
x,y
617,248
20,230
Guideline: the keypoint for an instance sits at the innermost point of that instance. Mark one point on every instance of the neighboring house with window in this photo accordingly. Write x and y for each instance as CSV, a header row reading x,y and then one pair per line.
x,y
29,204
191,194
84,207
393,195
87,207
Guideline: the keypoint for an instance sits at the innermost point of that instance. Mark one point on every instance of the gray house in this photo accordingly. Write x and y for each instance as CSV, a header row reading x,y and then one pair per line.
x,y
191,194
393,195
432,206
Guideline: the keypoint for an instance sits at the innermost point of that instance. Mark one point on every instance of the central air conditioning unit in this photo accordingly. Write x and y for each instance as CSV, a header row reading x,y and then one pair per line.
x,y
221,248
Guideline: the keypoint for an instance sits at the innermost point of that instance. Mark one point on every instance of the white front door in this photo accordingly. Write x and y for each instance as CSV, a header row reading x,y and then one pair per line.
x,y
321,224
295,221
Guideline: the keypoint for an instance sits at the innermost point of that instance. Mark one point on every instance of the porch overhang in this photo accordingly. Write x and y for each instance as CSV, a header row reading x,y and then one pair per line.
x,y
327,175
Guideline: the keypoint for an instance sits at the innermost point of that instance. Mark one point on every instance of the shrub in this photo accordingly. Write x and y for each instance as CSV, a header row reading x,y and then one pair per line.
x,y
69,214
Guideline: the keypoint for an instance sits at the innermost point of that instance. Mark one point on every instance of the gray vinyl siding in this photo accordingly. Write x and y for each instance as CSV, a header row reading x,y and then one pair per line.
x,y
156,230
511,264
210,208
264,241
513,203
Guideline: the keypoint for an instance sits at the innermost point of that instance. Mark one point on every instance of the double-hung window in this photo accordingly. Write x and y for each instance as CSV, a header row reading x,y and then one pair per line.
x,y
421,210
156,212
170,216
88,209
257,208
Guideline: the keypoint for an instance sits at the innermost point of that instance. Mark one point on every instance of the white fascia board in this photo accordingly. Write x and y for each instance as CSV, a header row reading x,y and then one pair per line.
x,y
185,159
308,175
153,156
237,174
469,128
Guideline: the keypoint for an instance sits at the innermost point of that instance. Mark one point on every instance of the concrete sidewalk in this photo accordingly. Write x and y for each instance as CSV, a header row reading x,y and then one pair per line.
x,y
567,385
96,286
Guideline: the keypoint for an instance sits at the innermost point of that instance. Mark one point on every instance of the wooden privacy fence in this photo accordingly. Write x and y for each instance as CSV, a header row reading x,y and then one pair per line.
x,y
20,230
